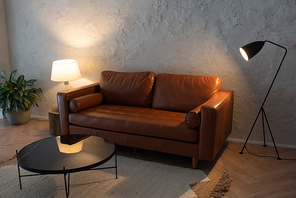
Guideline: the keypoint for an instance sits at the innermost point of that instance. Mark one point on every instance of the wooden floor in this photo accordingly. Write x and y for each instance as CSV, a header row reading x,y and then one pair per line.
x,y
14,138
252,176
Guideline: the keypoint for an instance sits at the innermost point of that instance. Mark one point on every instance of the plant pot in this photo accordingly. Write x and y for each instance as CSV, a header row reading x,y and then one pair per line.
x,y
20,117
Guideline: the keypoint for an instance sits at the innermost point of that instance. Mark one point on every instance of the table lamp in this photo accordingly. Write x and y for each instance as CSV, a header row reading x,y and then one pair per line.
x,y
64,71
248,51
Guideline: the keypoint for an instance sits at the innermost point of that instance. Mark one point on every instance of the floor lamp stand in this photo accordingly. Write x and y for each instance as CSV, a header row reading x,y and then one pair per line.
x,y
264,117
262,111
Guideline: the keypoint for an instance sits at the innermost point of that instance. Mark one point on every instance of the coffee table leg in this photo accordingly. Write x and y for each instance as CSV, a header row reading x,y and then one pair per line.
x,y
67,186
19,175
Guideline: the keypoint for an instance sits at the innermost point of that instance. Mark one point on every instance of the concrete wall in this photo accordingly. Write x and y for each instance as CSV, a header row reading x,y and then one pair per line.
x,y
4,53
164,36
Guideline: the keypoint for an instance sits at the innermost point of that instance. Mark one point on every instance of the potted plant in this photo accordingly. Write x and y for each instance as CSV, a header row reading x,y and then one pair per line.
x,y
16,100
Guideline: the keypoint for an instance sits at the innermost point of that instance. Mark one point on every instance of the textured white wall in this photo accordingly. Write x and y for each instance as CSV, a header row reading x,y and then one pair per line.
x,y
4,52
169,36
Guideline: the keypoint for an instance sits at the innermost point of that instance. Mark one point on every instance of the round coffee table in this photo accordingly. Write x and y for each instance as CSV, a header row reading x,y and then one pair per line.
x,y
65,155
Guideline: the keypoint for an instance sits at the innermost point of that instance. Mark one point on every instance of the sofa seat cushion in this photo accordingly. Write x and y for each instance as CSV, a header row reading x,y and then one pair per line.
x,y
136,120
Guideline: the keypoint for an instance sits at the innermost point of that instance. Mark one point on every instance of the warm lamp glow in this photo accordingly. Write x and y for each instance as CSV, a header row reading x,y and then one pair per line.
x,y
244,54
68,149
64,71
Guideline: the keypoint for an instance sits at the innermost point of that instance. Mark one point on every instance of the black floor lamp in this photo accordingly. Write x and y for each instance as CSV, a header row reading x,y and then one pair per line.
x,y
248,51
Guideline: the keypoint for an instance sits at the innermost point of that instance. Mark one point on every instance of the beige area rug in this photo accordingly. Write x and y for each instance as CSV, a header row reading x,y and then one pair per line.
x,y
136,178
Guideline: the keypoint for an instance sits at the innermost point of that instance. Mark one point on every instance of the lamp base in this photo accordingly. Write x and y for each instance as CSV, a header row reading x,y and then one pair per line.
x,y
66,86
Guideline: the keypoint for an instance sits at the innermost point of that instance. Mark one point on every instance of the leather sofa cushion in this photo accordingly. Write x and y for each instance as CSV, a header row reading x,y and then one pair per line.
x,y
83,102
127,88
183,93
136,120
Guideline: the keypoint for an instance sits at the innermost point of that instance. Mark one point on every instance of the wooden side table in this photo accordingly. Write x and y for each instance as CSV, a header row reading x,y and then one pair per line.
x,y
54,121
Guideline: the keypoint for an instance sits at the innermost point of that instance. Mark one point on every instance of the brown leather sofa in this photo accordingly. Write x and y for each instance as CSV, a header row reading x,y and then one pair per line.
x,y
179,114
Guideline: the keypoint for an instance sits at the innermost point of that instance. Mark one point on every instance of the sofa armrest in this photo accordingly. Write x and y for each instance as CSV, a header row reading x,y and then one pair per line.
x,y
64,98
216,124
192,118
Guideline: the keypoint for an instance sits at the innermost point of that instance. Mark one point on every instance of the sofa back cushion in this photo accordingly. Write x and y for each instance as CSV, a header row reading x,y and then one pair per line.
x,y
127,88
183,92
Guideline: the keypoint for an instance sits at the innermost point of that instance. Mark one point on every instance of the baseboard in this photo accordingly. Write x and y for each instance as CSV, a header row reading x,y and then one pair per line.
x,y
32,116
261,143
39,117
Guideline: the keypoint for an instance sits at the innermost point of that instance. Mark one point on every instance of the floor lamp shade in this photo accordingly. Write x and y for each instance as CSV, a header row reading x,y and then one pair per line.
x,y
251,49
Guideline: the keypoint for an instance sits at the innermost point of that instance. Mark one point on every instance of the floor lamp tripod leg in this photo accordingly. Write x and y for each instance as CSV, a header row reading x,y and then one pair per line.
x,y
263,128
271,135
250,132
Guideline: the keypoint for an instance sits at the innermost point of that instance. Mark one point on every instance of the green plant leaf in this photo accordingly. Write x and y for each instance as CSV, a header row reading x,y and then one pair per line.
x,y
32,81
27,106
39,90
20,80
2,75
7,103
29,84
14,106
6,88
21,105
2,97
2,104
3,112
11,75
15,96
34,95
20,99
26,100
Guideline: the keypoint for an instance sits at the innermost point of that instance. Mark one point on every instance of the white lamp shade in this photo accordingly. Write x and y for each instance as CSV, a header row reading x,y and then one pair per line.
x,y
65,70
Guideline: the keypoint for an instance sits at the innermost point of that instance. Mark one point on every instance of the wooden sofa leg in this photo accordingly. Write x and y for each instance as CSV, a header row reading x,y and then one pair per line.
x,y
194,163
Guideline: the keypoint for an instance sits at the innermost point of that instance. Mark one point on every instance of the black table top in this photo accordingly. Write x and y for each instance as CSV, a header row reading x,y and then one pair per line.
x,y
46,157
